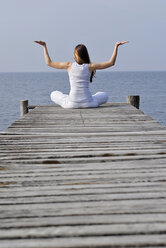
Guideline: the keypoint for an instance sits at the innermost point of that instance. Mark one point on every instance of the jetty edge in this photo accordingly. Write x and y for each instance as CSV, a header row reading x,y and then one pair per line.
x,y
24,106
83,178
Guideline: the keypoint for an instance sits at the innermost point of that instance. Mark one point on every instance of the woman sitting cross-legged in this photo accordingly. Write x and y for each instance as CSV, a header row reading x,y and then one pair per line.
x,y
81,73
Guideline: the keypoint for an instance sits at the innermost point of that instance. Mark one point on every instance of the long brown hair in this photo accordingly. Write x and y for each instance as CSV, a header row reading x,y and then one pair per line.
x,y
82,52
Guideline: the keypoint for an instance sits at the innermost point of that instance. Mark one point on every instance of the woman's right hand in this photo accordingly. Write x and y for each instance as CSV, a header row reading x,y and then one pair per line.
x,y
121,43
42,43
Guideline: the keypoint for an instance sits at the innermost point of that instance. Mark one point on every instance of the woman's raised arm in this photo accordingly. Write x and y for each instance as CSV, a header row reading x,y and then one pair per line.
x,y
49,62
111,62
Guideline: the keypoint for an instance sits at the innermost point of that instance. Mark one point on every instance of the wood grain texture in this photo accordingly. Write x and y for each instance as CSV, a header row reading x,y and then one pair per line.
x,y
83,178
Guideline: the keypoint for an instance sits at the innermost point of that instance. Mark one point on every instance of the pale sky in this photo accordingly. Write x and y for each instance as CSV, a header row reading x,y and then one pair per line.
x,y
96,23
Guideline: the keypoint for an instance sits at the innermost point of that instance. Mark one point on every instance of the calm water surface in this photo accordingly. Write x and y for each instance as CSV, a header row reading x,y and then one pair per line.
x,y
36,87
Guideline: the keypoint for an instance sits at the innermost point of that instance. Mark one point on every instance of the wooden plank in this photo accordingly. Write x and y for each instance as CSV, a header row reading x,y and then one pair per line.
x,y
30,192
92,154
82,220
103,241
78,170
82,198
76,160
84,207
80,242
83,230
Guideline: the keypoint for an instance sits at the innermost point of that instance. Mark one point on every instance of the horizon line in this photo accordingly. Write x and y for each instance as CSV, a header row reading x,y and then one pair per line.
x,y
97,71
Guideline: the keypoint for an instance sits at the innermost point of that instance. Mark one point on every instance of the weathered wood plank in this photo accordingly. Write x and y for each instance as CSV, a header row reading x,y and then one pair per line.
x,y
30,192
82,242
82,198
76,160
86,153
67,171
84,230
82,220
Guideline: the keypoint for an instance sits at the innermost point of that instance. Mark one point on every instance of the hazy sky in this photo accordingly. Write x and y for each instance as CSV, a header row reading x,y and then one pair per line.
x,y
96,23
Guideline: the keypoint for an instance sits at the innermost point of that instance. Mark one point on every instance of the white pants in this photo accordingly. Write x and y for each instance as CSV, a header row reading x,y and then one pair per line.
x,y
64,100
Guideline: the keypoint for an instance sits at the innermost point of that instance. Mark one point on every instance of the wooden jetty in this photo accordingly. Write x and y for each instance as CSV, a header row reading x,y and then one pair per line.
x,y
83,178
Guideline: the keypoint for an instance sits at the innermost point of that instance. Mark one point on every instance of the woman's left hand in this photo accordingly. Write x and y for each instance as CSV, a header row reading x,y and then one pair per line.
x,y
42,43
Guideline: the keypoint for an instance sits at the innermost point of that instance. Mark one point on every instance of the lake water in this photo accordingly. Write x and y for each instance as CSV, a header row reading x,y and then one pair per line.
x,y
37,86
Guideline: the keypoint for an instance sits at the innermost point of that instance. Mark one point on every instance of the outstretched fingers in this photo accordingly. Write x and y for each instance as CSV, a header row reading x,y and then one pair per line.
x,y
121,43
42,43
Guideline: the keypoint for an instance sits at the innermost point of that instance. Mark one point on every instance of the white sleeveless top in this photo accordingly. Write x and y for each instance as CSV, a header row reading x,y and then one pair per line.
x,y
79,77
